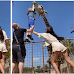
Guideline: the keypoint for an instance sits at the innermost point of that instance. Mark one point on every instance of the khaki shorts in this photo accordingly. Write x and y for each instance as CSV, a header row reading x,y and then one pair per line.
x,y
57,46
3,47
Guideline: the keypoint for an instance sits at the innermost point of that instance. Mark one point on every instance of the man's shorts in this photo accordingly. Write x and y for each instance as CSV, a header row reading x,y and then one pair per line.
x,y
31,22
18,55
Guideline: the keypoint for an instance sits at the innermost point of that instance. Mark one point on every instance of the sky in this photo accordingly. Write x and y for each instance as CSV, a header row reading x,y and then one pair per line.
x,y
60,16
5,16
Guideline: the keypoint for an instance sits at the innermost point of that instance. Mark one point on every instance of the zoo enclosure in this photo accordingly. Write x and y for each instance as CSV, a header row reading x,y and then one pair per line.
x,y
37,56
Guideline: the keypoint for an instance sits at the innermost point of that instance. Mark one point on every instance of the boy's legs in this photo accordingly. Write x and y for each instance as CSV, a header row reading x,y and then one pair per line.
x,y
31,27
30,33
27,38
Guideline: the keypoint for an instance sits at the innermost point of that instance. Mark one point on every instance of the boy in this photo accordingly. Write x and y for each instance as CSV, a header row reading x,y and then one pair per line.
x,y
31,19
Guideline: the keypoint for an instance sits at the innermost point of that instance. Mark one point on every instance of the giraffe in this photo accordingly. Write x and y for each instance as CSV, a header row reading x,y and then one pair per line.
x,y
42,12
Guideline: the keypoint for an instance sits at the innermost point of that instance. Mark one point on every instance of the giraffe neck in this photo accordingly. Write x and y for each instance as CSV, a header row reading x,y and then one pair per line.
x,y
45,20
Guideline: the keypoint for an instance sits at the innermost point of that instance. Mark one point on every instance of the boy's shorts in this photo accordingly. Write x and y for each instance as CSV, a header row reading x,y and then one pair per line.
x,y
31,23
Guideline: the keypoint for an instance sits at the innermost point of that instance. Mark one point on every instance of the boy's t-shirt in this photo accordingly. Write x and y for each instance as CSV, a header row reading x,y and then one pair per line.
x,y
31,15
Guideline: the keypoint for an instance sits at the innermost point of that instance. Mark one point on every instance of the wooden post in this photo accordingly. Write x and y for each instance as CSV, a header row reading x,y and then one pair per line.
x,y
32,55
43,57
49,61
49,48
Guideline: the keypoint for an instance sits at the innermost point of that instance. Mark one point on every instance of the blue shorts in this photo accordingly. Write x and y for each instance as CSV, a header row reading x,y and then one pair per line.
x,y
31,22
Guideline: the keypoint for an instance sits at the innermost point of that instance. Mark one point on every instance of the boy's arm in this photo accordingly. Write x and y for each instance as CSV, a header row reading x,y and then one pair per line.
x,y
33,7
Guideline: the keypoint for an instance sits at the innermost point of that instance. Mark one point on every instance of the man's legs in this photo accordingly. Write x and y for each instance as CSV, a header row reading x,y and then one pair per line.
x,y
13,66
21,58
21,64
14,58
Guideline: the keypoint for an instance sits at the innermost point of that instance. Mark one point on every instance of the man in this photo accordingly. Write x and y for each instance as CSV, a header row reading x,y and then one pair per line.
x,y
18,55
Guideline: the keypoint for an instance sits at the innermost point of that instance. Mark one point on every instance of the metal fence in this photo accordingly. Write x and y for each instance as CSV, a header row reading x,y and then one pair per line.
x,y
37,58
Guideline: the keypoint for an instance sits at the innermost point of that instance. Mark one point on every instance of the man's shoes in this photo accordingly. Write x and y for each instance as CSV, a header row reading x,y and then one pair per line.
x,y
27,40
30,36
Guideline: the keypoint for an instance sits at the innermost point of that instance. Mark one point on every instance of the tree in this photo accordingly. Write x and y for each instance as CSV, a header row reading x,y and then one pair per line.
x,y
27,70
72,27
7,58
46,67
38,67
70,49
69,45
